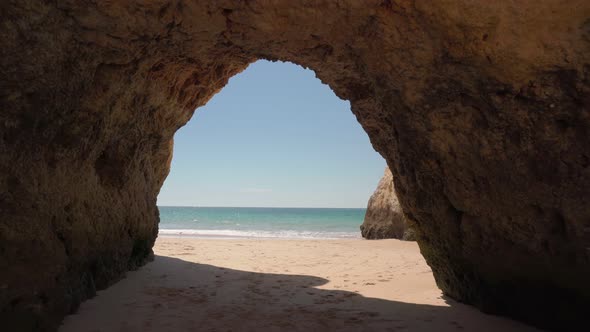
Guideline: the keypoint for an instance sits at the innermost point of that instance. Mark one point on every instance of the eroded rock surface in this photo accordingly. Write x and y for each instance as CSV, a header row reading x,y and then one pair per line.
x,y
479,107
384,218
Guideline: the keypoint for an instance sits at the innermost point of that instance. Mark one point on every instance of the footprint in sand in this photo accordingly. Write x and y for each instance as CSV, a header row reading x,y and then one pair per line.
x,y
355,320
370,314
456,324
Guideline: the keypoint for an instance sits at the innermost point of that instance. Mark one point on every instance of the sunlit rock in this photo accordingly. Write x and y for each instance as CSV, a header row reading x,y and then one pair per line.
x,y
384,218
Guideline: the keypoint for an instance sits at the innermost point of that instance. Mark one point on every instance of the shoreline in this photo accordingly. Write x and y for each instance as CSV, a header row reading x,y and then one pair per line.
x,y
258,234
281,285
255,238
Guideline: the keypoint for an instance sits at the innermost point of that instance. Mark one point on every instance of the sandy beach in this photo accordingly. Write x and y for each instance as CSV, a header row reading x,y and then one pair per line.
x,y
281,285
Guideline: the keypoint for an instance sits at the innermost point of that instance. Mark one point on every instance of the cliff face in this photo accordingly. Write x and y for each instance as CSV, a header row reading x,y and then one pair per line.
x,y
384,218
481,109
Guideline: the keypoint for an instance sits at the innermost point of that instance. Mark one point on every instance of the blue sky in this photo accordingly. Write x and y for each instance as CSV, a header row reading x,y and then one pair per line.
x,y
275,136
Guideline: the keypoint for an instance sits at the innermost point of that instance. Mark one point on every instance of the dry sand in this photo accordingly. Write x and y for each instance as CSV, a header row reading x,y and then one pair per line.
x,y
281,285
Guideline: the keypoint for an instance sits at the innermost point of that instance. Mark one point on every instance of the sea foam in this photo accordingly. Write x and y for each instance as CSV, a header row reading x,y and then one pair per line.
x,y
283,234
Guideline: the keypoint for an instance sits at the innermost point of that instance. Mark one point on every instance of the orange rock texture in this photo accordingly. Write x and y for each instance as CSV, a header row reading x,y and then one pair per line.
x,y
481,109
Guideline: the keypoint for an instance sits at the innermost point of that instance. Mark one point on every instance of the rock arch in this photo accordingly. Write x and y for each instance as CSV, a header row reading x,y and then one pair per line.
x,y
480,109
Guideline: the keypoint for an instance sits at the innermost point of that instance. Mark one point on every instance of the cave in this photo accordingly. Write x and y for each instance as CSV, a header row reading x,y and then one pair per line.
x,y
481,110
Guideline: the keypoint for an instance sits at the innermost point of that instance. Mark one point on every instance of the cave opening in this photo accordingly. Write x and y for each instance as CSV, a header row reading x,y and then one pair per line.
x,y
274,137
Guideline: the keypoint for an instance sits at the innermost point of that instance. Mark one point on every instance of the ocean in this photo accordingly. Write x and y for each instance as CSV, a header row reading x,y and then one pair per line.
x,y
246,222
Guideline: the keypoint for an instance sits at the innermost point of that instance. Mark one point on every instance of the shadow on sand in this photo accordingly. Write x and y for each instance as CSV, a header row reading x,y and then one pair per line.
x,y
171,294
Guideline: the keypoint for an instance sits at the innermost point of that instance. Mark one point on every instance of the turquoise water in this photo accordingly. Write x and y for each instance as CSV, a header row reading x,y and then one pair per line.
x,y
228,222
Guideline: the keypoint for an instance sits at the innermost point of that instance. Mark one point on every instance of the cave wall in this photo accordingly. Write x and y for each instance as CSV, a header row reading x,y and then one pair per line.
x,y
480,109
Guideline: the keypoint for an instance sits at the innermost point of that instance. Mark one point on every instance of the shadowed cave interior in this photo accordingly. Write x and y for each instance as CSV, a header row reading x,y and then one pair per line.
x,y
480,110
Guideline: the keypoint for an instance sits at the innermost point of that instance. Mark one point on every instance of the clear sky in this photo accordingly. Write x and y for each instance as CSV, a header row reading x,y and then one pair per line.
x,y
275,136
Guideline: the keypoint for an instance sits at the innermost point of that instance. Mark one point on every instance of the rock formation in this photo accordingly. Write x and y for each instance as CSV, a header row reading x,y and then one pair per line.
x,y
481,109
384,218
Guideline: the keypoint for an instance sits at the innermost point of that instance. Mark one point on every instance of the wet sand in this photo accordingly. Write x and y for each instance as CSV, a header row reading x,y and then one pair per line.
x,y
281,285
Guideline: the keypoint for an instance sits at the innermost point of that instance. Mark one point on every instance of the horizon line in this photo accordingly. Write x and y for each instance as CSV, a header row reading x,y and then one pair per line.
x,y
263,207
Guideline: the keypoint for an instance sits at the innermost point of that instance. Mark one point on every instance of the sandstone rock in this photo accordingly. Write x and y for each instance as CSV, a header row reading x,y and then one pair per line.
x,y
384,218
481,109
